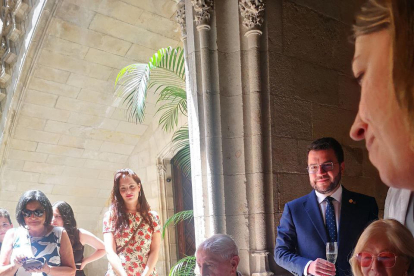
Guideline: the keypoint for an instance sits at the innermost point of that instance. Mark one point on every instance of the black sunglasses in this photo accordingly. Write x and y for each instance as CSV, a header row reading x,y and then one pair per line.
x,y
28,213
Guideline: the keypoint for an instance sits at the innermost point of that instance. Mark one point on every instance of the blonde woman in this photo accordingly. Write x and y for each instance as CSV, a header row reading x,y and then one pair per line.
x,y
385,248
383,64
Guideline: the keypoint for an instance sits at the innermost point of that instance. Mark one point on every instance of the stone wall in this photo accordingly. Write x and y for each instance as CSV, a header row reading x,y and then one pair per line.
x,y
65,132
312,94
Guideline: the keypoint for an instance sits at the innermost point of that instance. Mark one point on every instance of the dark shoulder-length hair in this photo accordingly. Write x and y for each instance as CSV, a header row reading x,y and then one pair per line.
x,y
69,223
118,204
34,195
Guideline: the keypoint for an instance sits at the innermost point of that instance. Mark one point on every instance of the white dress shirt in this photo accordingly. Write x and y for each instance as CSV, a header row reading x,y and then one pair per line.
x,y
336,203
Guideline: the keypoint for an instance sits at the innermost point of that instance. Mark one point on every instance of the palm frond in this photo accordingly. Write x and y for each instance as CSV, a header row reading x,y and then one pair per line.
x,y
171,59
181,145
184,267
176,218
132,84
182,159
174,102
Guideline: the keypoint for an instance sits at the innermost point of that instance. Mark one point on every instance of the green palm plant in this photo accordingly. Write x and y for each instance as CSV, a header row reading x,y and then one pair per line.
x,y
184,267
165,74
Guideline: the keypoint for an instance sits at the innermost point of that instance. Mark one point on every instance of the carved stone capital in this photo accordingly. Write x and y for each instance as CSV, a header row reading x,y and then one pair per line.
x,y
252,12
203,10
180,18
12,14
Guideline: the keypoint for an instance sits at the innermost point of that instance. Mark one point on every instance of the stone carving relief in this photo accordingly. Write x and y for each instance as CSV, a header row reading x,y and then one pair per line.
x,y
161,168
12,12
252,12
180,17
203,9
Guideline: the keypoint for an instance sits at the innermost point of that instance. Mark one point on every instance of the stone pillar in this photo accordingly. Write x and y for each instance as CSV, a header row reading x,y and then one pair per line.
x,y
163,207
212,125
252,12
226,121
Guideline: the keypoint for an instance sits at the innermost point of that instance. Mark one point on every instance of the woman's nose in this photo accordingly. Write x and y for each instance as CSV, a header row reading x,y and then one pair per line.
x,y
376,266
358,128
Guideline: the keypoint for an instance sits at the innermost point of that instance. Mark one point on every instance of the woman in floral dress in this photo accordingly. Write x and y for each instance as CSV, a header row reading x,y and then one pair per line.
x,y
131,231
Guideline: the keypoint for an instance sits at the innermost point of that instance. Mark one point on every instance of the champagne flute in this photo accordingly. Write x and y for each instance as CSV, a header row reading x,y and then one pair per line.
x,y
331,251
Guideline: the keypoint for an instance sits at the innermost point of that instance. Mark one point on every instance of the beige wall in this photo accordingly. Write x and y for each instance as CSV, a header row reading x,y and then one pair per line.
x,y
65,133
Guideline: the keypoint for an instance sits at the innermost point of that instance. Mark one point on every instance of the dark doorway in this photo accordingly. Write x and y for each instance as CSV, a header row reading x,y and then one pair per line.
x,y
183,200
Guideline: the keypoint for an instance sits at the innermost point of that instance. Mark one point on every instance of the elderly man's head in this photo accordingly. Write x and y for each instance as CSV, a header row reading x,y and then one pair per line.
x,y
218,256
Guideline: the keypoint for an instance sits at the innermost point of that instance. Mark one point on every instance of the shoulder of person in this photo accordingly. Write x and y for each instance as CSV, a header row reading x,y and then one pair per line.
x,y
84,232
300,200
361,197
11,232
153,214
58,230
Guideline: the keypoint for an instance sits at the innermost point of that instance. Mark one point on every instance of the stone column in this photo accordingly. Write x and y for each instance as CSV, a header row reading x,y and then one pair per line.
x,y
163,207
212,124
252,12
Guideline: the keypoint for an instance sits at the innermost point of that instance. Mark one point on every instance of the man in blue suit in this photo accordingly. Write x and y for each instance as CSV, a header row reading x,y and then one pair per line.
x,y
330,213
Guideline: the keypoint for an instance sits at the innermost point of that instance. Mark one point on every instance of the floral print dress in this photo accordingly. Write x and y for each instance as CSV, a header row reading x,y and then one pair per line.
x,y
134,255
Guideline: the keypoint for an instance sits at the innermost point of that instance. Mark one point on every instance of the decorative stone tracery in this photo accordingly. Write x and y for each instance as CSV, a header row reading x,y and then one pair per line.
x,y
180,18
203,10
252,12
12,12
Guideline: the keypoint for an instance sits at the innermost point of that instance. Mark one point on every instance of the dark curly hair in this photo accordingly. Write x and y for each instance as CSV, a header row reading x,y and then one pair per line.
x,y
118,204
34,195
69,223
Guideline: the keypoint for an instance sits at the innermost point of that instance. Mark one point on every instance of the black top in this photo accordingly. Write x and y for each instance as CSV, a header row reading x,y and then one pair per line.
x,y
78,256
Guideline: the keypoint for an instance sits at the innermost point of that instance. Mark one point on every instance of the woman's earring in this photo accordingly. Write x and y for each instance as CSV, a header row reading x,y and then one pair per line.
x,y
139,193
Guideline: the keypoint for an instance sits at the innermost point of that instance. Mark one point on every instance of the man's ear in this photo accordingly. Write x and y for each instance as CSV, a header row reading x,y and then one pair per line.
x,y
342,167
234,263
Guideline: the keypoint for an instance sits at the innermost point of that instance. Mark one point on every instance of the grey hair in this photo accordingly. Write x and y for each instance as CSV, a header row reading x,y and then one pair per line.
x,y
220,244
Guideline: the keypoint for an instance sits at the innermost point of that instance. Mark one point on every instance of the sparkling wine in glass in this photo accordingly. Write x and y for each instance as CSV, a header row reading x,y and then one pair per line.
x,y
331,251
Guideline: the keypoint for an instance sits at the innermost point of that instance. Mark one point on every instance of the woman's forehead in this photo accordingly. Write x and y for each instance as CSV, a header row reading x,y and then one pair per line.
x,y
33,204
126,180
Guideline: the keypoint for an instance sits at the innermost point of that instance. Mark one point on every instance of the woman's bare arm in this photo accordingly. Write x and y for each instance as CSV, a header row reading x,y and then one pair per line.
x,y
6,268
90,239
153,254
113,258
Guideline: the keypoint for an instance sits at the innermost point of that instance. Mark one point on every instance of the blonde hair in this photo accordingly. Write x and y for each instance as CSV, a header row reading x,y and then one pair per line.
x,y
398,17
398,236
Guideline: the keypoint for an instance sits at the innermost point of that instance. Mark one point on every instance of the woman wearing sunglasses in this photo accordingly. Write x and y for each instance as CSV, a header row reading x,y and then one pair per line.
x,y
131,231
36,238
63,216
386,247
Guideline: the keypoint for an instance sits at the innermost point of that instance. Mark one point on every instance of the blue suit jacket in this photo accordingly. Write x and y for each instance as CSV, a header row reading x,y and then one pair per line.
x,y
301,235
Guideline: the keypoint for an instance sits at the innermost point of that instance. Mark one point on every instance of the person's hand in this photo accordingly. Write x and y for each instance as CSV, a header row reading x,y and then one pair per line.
x,y
19,260
321,267
82,266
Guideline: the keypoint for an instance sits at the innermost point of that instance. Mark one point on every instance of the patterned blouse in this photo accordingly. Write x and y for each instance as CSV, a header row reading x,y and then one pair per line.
x,y
47,246
134,255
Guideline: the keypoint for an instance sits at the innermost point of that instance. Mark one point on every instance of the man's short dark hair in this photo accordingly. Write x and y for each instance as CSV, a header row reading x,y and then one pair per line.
x,y
326,143
34,195
5,214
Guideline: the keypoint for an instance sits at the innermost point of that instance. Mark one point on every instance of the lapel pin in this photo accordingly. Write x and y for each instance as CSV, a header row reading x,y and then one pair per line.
x,y
352,201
